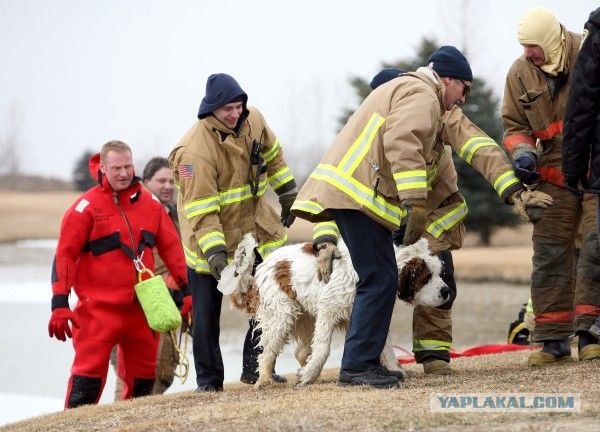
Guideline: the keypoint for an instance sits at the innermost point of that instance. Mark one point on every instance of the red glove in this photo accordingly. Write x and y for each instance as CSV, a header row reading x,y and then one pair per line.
x,y
58,326
186,308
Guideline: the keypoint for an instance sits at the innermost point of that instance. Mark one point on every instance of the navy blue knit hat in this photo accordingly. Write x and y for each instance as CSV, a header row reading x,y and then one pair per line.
x,y
449,62
221,89
384,76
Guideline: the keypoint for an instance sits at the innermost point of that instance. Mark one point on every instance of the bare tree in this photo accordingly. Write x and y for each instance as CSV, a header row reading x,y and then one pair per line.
x,y
11,145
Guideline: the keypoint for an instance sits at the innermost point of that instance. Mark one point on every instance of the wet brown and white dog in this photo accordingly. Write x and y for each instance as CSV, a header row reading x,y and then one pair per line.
x,y
289,300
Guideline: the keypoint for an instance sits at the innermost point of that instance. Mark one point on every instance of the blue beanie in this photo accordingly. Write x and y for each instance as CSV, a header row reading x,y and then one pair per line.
x,y
384,76
449,62
221,89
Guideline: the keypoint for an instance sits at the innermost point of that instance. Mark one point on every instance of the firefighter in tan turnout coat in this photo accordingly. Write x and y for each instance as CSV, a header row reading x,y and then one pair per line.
x,y
223,166
375,176
565,294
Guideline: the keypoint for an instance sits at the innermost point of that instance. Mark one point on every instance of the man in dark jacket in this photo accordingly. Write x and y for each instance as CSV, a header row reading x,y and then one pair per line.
x,y
581,142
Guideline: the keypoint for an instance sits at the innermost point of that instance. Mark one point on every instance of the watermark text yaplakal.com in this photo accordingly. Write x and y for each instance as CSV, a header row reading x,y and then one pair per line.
x,y
508,402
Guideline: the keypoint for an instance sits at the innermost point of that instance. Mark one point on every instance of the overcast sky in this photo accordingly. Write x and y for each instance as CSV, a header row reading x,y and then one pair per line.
x,y
77,73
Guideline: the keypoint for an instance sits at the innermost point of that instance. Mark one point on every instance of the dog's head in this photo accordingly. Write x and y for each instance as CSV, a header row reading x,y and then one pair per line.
x,y
419,276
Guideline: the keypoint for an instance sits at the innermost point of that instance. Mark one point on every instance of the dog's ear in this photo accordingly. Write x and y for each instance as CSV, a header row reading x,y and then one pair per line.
x,y
414,275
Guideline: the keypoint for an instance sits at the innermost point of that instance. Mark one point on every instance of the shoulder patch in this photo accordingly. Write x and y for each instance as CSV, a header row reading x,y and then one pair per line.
x,y
185,171
81,205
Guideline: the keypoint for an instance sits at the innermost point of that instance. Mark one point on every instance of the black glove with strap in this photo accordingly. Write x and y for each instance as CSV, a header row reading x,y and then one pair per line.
x,y
217,262
524,166
286,200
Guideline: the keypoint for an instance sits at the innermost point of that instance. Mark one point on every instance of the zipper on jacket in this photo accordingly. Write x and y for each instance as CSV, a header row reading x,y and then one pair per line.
x,y
133,248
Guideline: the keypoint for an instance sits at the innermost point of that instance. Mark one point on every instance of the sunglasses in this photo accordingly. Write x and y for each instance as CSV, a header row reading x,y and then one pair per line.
x,y
466,87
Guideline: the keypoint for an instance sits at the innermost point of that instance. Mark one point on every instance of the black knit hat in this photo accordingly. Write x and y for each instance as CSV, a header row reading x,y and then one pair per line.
x,y
221,89
449,62
384,76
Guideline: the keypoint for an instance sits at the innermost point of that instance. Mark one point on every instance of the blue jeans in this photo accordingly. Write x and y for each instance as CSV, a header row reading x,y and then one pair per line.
x,y
372,254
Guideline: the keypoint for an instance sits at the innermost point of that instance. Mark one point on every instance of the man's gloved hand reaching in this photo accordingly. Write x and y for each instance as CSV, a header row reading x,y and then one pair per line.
x,y
286,200
217,262
58,326
524,166
530,203
417,218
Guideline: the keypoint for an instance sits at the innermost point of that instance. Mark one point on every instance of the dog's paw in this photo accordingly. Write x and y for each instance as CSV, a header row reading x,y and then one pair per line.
x,y
262,383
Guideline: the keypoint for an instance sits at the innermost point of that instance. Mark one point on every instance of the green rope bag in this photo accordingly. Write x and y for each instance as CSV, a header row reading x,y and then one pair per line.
x,y
160,310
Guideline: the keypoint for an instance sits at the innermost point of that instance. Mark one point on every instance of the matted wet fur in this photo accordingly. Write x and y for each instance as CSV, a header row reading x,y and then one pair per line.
x,y
290,300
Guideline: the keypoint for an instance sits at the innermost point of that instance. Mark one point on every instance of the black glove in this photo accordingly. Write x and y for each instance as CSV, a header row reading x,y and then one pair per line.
x,y
177,297
524,167
286,200
216,263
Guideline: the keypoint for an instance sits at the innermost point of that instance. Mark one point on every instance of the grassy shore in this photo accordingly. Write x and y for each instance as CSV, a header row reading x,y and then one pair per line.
x,y
28,215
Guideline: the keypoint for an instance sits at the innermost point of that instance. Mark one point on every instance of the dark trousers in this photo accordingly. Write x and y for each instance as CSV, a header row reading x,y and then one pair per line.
x,y
372,254
208,361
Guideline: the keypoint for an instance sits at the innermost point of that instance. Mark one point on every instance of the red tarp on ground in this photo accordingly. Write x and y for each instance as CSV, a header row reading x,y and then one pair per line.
x,y
469,352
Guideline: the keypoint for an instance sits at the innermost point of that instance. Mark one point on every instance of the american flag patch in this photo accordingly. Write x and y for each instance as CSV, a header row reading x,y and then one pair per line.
x,y
185,171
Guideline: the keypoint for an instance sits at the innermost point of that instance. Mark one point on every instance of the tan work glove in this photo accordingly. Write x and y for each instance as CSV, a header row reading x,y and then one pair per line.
x,y
326,253
530,204
417,218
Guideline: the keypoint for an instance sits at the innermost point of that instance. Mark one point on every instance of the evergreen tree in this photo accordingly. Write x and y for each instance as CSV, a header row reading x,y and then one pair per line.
x,y
486,211
81,173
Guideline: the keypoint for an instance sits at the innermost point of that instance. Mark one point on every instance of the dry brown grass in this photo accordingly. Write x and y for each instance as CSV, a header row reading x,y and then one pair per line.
x,y
325,406
27,215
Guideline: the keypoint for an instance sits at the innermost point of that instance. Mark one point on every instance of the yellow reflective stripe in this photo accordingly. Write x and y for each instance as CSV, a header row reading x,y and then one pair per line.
x,y
448,220
192,261
359,193
267,248
201,206
504,181
308,206
361,145
212,239
467,151
281,177
415,179
241,193
430,345
325,228
529,307
272,152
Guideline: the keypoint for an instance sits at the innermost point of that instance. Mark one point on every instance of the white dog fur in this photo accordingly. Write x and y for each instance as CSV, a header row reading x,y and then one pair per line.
x,y
290,302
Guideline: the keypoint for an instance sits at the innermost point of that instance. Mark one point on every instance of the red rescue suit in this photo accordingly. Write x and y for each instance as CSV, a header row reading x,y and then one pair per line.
x,y
100,235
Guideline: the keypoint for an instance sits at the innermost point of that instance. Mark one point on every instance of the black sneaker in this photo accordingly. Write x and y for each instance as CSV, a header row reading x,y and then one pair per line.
x,y
209,388
400,375
251,378
373,378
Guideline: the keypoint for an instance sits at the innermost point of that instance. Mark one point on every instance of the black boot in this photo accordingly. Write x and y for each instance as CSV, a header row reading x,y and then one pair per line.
x,y
83,391
588,346
554,351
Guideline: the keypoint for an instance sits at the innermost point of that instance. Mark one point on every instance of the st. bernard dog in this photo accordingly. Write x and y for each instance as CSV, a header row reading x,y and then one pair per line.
x,y
290,300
